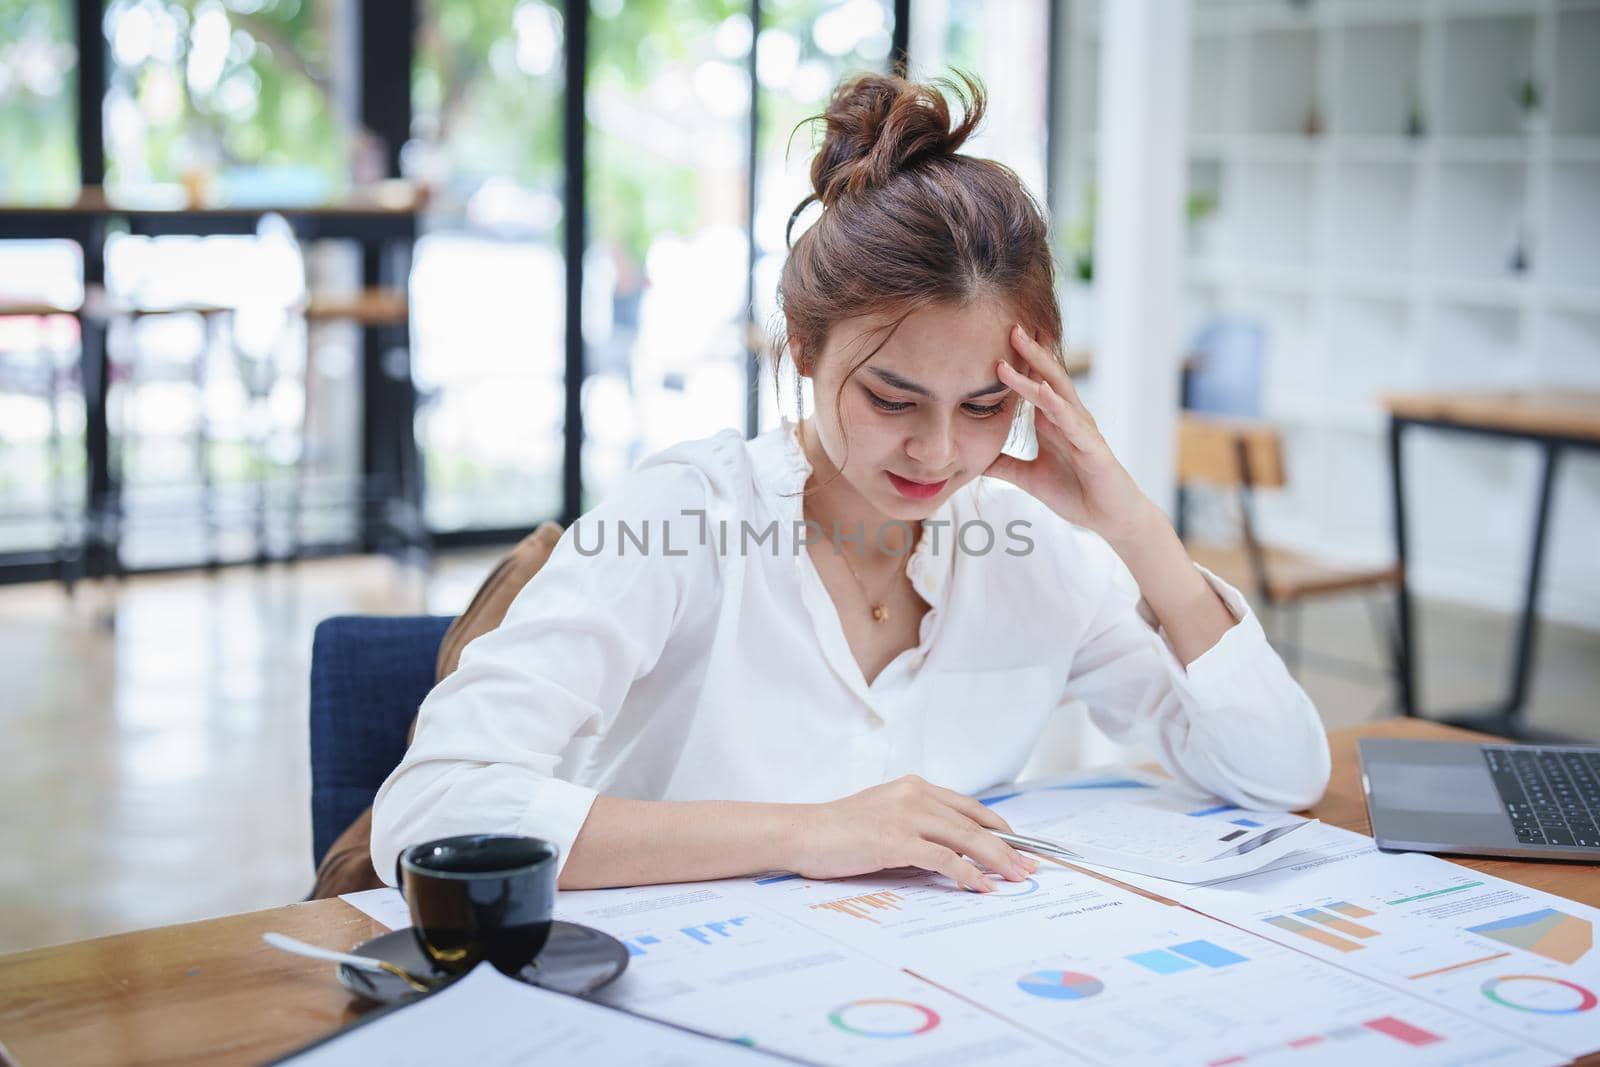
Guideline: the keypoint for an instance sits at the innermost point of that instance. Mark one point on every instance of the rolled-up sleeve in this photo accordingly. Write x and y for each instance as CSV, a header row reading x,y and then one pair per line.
x,y
490,737
1234,723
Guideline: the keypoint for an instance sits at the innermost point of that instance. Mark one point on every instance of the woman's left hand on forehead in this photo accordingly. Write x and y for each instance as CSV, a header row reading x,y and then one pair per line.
x,y
1075,473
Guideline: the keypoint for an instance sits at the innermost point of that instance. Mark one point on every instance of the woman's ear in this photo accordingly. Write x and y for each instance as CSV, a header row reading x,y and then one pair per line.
x,y
802,359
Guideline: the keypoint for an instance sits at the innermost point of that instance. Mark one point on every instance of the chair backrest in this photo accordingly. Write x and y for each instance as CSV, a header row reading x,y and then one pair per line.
x,y
1229,453
1225,370
368,676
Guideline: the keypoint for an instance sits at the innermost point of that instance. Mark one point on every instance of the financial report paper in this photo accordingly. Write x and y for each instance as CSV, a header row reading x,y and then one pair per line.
x,y
903,967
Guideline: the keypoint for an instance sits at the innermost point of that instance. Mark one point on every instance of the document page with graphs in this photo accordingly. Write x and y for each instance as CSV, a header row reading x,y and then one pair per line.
x,y
1116,977
1340,954
1516,958
704,957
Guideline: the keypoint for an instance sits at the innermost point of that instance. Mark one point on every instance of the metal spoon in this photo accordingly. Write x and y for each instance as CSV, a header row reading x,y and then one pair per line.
x,y
363,963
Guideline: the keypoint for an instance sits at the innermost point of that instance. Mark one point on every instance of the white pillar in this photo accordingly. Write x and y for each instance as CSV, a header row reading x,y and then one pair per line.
x,y
1144,81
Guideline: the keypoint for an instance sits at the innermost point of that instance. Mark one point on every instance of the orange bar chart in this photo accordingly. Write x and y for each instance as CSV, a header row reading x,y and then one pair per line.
x,y
1314,933
1344,907
862,907
1335,922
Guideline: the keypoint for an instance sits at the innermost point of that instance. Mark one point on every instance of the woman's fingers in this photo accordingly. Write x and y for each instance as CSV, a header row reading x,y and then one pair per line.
x,y
966,826
1073,422
944,860
972,808
1047,367
1043,362
966,837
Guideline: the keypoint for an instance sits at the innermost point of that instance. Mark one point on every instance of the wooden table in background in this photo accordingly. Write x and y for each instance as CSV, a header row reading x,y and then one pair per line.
x,y
210,992
1554,420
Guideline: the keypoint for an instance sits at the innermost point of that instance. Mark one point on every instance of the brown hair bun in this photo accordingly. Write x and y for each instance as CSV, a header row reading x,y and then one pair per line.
x,y
878,125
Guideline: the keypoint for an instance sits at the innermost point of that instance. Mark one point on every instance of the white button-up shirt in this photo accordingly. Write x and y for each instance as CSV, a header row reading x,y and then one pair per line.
x,y
680,645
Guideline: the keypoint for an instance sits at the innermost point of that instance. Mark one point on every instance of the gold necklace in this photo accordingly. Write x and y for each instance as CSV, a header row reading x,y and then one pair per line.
x,y
880,607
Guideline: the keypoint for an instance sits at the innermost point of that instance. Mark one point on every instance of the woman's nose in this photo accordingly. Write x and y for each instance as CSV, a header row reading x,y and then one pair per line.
x,y
932,446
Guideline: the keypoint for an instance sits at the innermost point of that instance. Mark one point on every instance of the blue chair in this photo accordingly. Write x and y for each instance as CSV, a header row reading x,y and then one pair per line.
x,y
368,676
1226,369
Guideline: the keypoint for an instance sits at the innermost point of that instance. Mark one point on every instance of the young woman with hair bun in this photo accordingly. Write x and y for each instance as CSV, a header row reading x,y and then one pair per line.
x,y
827,638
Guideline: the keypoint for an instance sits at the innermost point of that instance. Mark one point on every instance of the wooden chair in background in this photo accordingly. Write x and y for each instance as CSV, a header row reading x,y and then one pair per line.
x,y
1239,457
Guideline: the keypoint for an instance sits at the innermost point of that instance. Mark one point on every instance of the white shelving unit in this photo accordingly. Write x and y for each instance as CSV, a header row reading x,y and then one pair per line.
x,y
1395,217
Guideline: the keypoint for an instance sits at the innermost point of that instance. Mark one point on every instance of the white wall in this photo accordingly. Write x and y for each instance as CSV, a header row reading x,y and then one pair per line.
x,y
1379,261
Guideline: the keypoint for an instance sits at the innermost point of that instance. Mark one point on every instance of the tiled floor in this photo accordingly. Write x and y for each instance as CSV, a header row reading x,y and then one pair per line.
x,y
157,771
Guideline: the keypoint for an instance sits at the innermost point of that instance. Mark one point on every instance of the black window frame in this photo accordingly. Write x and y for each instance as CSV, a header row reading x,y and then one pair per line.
x,y
387,51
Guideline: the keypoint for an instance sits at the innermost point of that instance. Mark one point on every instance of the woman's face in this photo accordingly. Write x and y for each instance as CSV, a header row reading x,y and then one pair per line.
x,y
924,416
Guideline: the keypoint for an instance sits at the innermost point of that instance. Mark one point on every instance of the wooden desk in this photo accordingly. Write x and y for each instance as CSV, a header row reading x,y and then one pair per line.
x,y
1553,419
212,992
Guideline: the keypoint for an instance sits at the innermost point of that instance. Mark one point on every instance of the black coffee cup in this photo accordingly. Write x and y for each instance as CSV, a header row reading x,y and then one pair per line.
x,y
479,897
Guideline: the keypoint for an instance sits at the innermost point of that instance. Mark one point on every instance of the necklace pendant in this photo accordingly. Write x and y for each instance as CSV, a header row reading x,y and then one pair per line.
x,y
880,613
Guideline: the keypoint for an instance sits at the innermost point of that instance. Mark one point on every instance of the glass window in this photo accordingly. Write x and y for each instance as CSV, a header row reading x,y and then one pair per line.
x,y
806,48
225,442
41,402
1006,43
488,287
666,270
38,124
240,101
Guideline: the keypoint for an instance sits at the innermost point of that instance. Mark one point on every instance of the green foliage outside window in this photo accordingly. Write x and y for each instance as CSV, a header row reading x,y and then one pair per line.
x,y
38,94
213,86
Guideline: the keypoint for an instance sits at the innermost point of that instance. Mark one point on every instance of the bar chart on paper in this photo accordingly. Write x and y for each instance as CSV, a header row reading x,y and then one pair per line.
x,y
1509,956
1333,925
863,906
1223,998
1344,1041
1122,978
879,912
1186,957
705,960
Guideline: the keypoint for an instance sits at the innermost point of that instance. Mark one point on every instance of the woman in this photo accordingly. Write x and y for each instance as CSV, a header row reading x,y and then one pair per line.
x,y
803,652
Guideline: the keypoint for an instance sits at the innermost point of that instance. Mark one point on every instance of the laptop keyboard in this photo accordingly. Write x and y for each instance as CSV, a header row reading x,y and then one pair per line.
x,y
1551,794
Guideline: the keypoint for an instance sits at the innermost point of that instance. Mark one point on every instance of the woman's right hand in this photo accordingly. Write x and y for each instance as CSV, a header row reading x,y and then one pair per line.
x,y
908,822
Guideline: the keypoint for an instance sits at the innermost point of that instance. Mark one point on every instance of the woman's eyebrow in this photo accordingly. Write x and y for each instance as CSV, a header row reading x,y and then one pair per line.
x,y
889,377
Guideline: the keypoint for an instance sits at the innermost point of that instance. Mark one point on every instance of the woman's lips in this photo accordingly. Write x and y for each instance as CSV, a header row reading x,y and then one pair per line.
x,y
915,490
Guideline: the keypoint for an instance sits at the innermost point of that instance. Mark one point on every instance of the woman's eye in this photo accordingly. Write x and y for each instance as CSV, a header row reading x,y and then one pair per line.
x,y
983,411
886,405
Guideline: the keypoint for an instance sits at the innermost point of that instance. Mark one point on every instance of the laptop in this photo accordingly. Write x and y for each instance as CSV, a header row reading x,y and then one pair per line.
x,y
1524,801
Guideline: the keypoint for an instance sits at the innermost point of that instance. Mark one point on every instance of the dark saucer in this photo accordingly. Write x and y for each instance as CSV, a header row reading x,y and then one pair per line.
x,y
576,959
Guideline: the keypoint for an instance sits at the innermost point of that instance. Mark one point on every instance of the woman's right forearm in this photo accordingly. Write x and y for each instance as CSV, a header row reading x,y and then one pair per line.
x,y
646,842
904,823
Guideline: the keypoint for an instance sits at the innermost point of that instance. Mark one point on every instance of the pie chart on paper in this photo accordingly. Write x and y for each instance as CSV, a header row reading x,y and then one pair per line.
x,y
1060,985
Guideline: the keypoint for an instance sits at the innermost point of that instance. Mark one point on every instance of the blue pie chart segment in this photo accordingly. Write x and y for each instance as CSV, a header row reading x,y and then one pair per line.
x,y
1060,985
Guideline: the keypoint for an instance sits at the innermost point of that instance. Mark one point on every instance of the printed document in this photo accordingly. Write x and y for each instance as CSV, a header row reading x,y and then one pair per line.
x,y
489,1020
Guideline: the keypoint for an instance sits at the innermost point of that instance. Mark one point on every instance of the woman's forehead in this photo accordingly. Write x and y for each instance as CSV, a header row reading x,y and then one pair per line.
x,y
936,331
948,350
